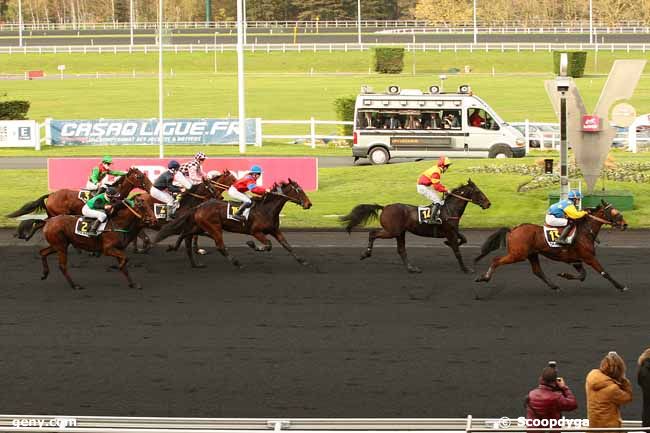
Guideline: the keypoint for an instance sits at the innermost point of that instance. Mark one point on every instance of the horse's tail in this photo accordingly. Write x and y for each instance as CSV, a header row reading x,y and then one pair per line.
x,y
173,227
27,228
360,215
32,206
495,241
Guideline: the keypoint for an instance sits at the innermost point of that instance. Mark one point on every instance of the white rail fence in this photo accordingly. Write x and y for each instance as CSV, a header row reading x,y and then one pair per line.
x,y
86,424
345,47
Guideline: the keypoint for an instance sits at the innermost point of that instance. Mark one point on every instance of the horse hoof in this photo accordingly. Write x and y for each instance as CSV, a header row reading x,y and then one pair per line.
x,y
198,266
624,289
414,270
43,277
556,289
201,252
480,279
135,286
77,287
251,244
467,271
303,262
170,248
365,255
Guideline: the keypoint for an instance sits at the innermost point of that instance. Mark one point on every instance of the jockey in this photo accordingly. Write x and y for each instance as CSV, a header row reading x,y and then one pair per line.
x,y
563,213
193,169
248,183
99,173
97,206
170,182
429,186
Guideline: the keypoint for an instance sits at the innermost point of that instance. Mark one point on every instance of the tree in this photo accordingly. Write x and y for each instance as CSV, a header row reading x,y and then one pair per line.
x,y
324,9
443,11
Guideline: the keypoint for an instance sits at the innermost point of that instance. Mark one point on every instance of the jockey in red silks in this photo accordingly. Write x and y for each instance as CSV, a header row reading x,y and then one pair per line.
x,y
247,183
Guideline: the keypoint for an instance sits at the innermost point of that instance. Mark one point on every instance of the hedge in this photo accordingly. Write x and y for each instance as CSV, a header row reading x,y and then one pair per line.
x,y
388,60
577,62
14,110
344,107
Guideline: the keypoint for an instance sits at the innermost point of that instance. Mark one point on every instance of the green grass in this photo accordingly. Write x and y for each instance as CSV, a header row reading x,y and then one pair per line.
x,y
340,189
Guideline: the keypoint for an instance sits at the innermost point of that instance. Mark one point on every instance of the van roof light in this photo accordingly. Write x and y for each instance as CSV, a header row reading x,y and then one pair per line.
x,y
464,88
393,89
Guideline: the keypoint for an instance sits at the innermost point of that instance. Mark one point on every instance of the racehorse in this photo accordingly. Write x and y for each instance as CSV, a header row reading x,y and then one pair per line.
x,y
527,241
264,219
396,219
121,229
212,188
67,202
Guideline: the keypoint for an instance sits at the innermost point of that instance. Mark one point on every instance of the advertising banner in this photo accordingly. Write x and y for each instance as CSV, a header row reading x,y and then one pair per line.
x,y
19,133
146,131
73,172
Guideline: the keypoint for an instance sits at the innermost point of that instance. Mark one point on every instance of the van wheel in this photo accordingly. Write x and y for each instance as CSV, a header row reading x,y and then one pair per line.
x,y
378,155
500,151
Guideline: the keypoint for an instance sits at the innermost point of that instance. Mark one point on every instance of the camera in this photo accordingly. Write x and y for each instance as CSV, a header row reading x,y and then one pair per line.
x,y
552,364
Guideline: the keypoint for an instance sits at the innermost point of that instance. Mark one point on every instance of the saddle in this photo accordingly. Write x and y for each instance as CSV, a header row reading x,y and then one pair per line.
x,y
83,225
552,234
425,214
233,207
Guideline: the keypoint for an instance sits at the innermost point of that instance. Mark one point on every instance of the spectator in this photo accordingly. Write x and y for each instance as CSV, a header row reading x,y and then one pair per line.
x,y
476,119
550,398
393,123
643,378
607,389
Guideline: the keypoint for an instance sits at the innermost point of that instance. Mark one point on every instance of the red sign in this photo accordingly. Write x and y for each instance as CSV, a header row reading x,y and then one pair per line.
x,y
590,123
73,172
35,74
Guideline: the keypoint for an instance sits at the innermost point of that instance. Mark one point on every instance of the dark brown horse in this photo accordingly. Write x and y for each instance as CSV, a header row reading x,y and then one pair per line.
x,y
526,242
121,229
396,219
264,219
206,190
67,202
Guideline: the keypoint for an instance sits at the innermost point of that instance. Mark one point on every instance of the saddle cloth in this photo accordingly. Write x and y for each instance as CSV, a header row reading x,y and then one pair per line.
x,y
233,206
424,215
551,234
161,211
85,195
83,224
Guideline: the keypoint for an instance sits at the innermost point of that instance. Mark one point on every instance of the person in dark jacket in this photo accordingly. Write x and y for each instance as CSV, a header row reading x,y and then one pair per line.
x,y
643,378
550,398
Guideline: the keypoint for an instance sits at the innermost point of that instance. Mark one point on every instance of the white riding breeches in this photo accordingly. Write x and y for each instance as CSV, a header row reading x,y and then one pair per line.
x,y
162,196
233,193
93,213
92,186
431,194
554,221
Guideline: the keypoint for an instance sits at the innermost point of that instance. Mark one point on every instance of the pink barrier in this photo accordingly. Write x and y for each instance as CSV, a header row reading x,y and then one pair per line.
x,y
73,172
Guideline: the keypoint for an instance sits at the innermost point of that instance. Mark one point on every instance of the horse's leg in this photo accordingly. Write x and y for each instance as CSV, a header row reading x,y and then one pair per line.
x,y
582,273
263,239
122,262
35,227
198,250
283,241
537,270
190,252
511,257
401,250
44,253
63,266
594,263
217,235
177,244
453,243
146,242
372,235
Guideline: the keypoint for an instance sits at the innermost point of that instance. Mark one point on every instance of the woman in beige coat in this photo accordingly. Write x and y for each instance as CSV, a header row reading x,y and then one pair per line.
x,y
607,389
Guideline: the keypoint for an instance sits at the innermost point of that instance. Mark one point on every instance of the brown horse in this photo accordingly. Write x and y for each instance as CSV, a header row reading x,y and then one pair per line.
x,y
67,202
212,188
264,219
527,242
121,229
396,219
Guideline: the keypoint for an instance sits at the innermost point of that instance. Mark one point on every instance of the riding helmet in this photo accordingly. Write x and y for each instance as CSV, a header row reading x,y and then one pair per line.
x,y
173,165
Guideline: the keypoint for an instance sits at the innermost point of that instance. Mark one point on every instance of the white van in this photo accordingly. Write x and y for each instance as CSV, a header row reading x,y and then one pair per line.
x,y
411,123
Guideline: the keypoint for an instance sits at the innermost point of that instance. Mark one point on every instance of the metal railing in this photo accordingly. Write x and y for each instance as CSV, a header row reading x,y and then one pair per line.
x,y
312,136
345,47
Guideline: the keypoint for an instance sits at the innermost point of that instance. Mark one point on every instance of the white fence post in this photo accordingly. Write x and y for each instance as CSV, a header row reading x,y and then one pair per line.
x,y
258,132
312,131
48,131
527,135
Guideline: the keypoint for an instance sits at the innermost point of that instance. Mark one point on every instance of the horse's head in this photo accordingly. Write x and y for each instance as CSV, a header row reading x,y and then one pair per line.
x,y
293,192
138,179
609,213
226,178
472,193
145,210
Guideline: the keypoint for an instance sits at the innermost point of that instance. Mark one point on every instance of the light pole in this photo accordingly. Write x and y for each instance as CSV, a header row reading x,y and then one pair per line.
x,y
240,76
562,83
131,20
161,136
245,22
591,22
475,28
20,23
359,21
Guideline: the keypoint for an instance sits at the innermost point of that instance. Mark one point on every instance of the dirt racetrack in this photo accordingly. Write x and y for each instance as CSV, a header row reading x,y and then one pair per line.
x,y
352,339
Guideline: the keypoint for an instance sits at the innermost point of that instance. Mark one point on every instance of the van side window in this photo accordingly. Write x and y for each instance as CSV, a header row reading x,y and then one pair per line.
x,y
479,118
451,119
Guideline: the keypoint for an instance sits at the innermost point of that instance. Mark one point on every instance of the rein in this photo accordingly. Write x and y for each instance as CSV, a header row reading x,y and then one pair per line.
x,y
133,211
458,196
202,197
599,219
219,184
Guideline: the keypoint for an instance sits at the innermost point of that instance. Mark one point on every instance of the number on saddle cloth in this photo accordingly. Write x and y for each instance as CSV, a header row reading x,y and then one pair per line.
x,y
161,211
84,195
552,234
83,225
233,207
425,214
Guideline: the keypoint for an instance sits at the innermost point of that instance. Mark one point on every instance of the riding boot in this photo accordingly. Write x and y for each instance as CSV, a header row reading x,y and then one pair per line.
x,y
435,213
172,209
565,232
239,215
95,226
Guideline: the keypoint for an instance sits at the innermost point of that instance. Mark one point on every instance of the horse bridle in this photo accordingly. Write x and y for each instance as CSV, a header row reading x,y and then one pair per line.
x,y
603,220
282,194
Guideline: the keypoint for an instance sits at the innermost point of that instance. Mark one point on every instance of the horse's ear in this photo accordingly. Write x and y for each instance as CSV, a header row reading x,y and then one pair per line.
x,y
469,181
603,202
290,181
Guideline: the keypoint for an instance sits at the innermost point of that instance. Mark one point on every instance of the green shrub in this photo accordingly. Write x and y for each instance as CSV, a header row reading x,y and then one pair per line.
x,y
577,62
14,110
344,107
388,60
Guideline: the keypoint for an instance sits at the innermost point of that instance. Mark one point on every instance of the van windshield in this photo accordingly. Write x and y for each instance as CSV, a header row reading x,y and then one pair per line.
x,y
409,119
